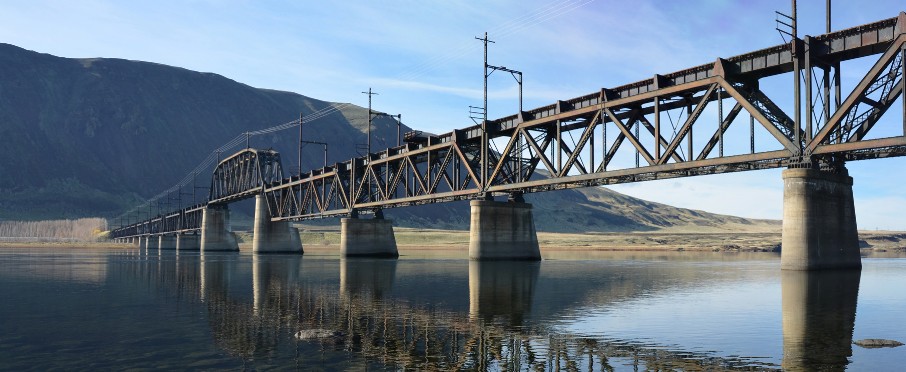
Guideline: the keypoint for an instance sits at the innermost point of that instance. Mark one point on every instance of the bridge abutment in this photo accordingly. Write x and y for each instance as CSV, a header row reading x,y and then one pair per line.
x,y
367,238
502,231
272,237
819,221
215,230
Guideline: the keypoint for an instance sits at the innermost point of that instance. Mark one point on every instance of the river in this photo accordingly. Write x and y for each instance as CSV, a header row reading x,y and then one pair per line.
x,y
103,309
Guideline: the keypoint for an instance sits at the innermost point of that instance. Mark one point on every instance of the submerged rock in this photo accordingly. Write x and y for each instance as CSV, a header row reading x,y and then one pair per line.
x,y
312,334
871,343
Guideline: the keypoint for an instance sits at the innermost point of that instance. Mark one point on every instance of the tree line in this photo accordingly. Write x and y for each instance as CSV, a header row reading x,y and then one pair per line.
x,y
82,229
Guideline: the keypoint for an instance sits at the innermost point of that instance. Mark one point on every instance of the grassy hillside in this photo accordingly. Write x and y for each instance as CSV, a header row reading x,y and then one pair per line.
x,y
94,136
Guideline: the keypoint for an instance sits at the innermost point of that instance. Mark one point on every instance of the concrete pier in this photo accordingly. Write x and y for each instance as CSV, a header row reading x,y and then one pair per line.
x,y
502,231
819,221
367,238
188,242
215,230
166,242
272,237
142,242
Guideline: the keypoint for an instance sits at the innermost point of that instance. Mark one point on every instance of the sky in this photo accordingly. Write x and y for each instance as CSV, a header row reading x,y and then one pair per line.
x,y
423,60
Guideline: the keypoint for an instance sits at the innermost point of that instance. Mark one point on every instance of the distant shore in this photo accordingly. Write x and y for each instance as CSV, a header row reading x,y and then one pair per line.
x,y
67,244
327,239
616,241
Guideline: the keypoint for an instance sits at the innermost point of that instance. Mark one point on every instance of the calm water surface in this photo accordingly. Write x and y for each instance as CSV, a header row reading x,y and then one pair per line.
x,y
113,310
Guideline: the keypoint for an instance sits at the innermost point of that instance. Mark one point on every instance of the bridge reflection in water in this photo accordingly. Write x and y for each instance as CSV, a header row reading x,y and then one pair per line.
x,y
819,314
472,315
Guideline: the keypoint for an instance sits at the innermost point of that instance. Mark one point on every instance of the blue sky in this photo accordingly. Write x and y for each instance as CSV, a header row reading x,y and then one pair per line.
x,y
422,59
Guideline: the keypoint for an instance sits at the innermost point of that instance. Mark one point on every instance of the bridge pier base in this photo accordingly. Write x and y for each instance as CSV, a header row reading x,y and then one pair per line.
x,y
367,238
187,242
215,230
142,242
819,221
502,231
166,242
272,237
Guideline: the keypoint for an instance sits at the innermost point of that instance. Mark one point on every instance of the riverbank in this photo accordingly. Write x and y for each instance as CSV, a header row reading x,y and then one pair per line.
x,y
46,244
327,239
622,241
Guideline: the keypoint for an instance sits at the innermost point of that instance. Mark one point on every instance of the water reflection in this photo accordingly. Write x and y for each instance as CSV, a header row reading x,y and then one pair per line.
x,y
502,290
365,277
272,274
483,315
819,313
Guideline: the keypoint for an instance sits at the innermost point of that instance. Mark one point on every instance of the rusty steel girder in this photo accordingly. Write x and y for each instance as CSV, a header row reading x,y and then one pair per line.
x,y
244,175
573,143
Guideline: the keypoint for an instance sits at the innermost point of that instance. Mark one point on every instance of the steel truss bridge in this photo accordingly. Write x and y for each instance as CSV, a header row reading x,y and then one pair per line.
x,y
573,143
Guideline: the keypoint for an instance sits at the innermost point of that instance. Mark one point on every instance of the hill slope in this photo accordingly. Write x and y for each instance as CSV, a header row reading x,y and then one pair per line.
x,y
95,137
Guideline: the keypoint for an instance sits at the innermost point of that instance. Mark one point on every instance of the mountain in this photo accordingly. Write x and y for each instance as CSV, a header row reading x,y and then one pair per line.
x,y
97,136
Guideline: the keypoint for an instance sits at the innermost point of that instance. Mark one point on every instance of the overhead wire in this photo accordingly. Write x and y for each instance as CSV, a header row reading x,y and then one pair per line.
x,y
505,29
501,31
210,159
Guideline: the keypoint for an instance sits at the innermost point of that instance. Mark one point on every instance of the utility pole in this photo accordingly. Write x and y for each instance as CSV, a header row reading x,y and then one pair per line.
x,y
516,75
300,144
369,93
324,144
399,122
516,153
797,95
484,121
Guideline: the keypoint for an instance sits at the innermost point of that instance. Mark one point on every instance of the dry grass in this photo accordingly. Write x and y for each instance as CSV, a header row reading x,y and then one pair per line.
x,y
665,240
74,230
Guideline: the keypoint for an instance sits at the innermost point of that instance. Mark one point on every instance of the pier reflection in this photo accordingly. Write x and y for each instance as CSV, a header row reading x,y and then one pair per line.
x,y
367,277
819,313
272,278
381,313
502,291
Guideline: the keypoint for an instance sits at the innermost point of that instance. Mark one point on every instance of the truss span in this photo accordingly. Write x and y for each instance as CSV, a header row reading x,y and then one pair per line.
x,y
667,122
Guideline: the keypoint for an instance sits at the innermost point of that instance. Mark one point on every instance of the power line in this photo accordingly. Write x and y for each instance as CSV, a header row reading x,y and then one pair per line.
x,y
210,159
